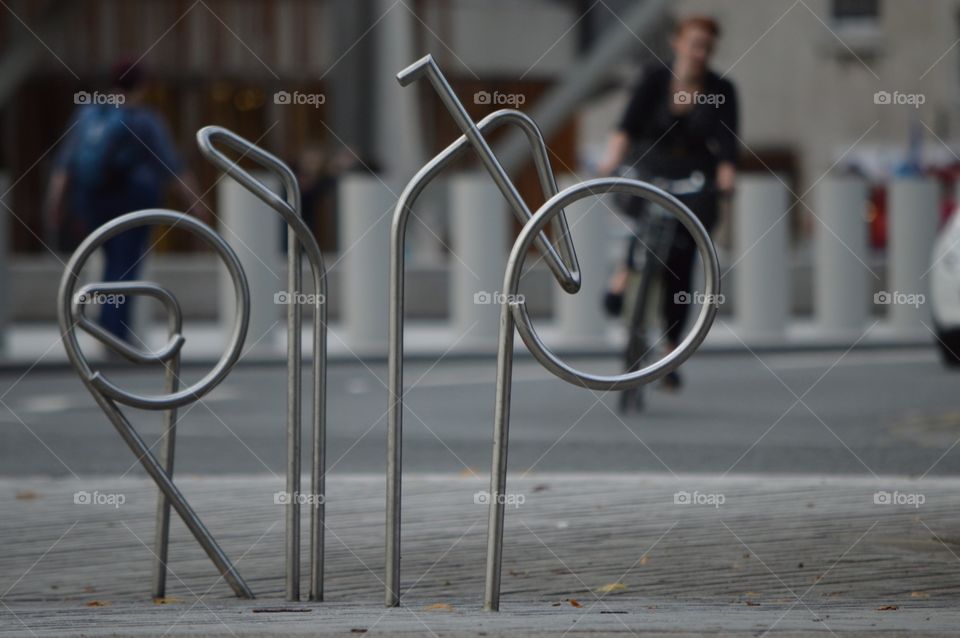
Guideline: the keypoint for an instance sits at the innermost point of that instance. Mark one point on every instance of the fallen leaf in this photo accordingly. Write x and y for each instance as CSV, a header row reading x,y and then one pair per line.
x,y
539,488
644,560
358,630
888,608
98,603
27,495
439,607
167,600
467,472
751,603
555,604
612,587
752,594
574,602
919,594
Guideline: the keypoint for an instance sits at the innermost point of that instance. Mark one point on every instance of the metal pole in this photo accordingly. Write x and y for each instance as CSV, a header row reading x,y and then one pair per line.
x,y
514,314
300,238
563,265
168,439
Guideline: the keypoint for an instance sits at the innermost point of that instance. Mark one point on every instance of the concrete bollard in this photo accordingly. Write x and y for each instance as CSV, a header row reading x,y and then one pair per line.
x,y
842,283
762,257
365,216
581,322
253,230
914,213
479,235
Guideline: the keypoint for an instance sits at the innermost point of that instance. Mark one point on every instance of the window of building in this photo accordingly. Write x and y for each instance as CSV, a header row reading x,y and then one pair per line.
x,y
846,10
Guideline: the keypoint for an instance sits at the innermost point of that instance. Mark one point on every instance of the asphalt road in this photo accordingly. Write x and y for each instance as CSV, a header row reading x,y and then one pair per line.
x,y
878,412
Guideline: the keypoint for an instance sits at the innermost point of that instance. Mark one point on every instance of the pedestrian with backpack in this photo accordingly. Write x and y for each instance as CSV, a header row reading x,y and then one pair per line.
x,y
117,157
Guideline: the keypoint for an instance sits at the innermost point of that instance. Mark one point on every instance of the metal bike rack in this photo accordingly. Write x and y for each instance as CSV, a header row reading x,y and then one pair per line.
x,y
563,264
299,238
108,395
514,314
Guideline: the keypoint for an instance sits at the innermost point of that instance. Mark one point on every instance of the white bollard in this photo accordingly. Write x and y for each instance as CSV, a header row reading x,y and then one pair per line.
x,y
365,217
914,213
253,230
5,289
580,317
478,260
842,280
762,258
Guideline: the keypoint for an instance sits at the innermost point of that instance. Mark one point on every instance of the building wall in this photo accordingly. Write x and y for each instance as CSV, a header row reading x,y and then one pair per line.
x,y
801,87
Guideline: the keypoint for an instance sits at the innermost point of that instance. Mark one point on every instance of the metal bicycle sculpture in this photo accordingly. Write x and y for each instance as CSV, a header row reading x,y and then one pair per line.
x,y
514,313
562,262
108,395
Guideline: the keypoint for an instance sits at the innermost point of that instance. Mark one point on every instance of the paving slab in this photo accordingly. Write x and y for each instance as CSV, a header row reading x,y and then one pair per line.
x,y
597,554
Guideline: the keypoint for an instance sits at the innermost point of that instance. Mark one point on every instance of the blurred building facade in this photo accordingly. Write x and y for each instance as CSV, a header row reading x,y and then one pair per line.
x,y
808,73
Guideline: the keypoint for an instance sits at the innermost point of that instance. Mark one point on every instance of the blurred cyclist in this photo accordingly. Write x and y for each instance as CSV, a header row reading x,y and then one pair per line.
x,y
680,121
117,158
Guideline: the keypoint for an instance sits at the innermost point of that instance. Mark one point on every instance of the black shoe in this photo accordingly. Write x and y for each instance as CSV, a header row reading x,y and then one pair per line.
x,y
672,382
613,303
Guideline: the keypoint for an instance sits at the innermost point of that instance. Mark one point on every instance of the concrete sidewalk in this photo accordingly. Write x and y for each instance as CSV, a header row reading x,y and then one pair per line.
x,y
598,554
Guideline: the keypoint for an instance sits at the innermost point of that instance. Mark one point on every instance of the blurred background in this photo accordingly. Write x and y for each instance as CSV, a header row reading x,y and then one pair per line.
x,y
848,111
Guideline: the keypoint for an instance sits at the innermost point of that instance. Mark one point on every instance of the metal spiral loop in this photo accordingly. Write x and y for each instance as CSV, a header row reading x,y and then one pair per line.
x,y
71,304
515,314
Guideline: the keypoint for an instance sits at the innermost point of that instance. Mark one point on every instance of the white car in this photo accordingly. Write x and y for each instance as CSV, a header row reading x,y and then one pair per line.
x,y
945,291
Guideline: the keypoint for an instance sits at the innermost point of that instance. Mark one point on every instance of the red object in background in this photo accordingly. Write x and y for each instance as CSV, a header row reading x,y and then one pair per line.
x,y
877,216
949,178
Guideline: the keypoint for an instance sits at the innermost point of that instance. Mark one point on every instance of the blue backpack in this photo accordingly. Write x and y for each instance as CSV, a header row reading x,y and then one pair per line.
x,y
103,152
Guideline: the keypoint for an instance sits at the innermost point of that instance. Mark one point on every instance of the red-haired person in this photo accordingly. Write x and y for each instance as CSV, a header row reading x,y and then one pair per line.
x,y
680,121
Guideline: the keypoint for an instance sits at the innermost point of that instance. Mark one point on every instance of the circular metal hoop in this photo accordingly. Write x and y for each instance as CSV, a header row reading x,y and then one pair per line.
x,y
655,370
69,319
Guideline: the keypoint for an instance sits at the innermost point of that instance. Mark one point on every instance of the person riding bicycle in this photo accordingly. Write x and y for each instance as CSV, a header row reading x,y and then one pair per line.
x,y
680,123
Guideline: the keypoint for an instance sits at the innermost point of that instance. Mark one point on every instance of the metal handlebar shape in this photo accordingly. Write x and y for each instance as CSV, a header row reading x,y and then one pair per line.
x,y
71,304
563,264
514,314
299,237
